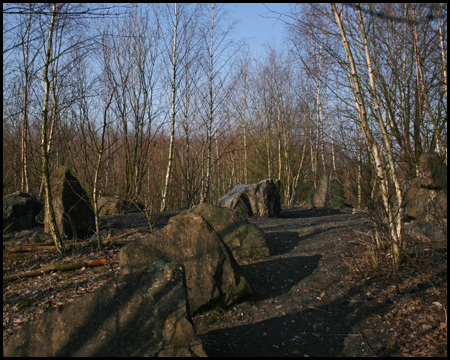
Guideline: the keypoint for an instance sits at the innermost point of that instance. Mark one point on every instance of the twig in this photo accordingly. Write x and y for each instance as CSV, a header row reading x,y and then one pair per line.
x,y
343,293
26,248
314,308
232,350
362,336
64,267
131,232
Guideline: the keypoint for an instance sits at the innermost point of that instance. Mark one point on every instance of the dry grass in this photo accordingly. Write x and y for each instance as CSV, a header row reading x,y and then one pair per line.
x,y
416,318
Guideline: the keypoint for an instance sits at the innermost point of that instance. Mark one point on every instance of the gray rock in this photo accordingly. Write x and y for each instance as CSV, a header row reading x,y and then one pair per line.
x,y
430,231
260,199
426,199
141,314
245,240
19,211
264,198
237,200
114,205
321,194
213,277
72,207
432,171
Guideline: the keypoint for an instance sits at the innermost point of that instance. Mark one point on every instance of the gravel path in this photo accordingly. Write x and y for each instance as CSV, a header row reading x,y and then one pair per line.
x,y
304,304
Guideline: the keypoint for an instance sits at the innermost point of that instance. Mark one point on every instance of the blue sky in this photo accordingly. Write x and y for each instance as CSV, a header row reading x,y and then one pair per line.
x,y
257,23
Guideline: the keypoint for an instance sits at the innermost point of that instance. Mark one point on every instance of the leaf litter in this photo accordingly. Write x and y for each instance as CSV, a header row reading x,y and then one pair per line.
x,y
319,295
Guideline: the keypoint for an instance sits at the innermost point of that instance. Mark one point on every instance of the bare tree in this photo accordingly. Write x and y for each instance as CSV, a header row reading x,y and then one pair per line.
x,y
44,151
394,213
173,111
181,20
26,67
97,170
220,54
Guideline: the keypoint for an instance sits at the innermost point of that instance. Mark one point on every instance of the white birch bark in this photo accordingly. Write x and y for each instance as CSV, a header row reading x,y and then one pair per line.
x,y
172,131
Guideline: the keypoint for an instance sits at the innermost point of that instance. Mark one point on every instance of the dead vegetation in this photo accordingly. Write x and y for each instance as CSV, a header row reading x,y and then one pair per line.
x,y
415,322
411,323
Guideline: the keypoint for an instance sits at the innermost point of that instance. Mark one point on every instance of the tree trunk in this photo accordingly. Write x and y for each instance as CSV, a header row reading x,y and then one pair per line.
x,y
394,222
395,214
45,161
210,114
172,132
97,171
25,185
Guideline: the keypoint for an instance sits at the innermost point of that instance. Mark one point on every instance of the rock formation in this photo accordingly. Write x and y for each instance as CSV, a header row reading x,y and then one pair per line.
x,y
114,205
245,240
72,207
329,192
19,211
140,314
213,277
260,199
320,196
427,198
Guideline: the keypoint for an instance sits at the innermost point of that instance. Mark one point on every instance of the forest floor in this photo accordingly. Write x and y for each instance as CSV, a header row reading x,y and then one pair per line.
x,y
325,292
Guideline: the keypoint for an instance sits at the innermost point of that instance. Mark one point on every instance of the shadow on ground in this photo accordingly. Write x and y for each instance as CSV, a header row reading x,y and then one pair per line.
x,y
298,213
277,276
319,331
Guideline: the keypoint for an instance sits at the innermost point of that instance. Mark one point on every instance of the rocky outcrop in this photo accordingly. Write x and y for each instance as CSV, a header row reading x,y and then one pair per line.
x,y
72,207
329,192
245,240
426,200
320,196
114,205
19,211
140,314
429,231
237,199
260,199
213,277
432,171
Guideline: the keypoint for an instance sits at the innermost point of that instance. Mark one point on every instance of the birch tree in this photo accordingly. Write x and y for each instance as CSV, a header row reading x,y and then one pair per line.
x,y
44,142
173,110
26,68
220,55
393,211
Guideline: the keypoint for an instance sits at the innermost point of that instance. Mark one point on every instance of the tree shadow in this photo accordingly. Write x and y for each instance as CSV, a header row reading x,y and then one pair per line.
x,y
286,240
297,213
118,319
277,276
314,331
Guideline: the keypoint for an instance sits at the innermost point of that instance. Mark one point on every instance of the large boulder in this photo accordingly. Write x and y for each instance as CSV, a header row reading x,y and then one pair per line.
x,y
72,207
423,204
426,199
245,240
260,199
428,231
114,205
321,194
264,198
213,277
237,199
19,211
336,193
140,314
432,171
329,192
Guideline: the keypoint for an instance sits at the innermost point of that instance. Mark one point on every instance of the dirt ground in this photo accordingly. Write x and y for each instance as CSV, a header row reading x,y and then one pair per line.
x,y
324,293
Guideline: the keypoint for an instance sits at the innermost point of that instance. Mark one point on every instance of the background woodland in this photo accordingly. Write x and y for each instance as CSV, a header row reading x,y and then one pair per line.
x,y
160,103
